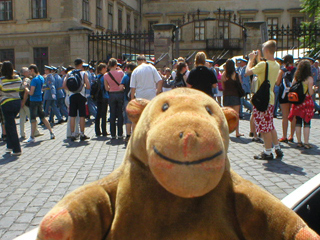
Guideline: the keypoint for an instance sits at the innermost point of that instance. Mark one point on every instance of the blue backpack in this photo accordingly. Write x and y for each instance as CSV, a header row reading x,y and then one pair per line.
x,y
74,82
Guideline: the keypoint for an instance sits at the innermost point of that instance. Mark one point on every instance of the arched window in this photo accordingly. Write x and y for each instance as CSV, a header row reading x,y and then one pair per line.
x,y
39,9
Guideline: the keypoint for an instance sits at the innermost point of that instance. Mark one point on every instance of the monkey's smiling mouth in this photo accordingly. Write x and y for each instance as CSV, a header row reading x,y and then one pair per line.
x,y
187,163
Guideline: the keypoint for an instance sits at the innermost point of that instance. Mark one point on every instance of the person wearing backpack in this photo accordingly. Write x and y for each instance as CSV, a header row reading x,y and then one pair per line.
x,y
101,97
181,75
267,73
285,78
125,84
112,81
303,111
76,81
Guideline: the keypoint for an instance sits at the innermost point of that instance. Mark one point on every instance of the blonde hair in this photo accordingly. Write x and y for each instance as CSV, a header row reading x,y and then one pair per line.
x,y
200,58
271,45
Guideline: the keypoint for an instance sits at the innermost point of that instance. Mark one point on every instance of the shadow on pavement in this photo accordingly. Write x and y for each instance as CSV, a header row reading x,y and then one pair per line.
x,y
7,158
115,142
281,167
241,140
75,144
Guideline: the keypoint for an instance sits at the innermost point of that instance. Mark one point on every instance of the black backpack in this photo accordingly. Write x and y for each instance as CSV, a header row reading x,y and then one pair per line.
x,y
96,91
296,94
262,97
179,81
74,82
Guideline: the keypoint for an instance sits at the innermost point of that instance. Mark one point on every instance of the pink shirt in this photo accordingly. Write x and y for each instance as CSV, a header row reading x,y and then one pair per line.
x,y
118,75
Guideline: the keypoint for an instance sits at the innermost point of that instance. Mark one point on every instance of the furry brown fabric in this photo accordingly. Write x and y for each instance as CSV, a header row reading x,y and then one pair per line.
x,y
175,183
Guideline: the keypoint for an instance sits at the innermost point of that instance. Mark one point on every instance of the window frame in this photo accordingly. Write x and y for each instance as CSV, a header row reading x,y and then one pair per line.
x,y
41,61
99,13
7,10
128,22
301,19
85,11
41,12
198,28
120,20
110,16
135,24
275,26
8,51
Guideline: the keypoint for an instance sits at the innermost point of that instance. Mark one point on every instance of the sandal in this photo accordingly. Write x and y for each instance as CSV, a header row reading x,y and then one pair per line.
x,y
300,145
283,140
291,140
240,135
307,146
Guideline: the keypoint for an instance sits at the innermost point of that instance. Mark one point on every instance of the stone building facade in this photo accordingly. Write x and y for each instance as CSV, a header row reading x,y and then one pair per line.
x,y
56,32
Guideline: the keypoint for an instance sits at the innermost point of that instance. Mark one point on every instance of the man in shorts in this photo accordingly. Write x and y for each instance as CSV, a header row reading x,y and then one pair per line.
x,y
36,108
264,120
78,102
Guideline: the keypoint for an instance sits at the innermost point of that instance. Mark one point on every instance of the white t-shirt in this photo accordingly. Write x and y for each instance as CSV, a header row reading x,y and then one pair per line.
x,y
144,79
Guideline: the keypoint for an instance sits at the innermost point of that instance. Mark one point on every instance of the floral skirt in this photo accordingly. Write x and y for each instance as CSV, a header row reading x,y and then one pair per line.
x,y
304,110
263,120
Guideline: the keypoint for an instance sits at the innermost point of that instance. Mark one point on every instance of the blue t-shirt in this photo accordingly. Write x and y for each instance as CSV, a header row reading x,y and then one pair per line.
x,y
37,82
126,82
105,93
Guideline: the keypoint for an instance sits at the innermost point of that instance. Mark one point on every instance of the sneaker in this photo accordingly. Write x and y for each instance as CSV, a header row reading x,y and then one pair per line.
x,y
39,134
264,156
120,137
31,140
9,150
279,153
84,137
73,138
52,136
251,134
16,153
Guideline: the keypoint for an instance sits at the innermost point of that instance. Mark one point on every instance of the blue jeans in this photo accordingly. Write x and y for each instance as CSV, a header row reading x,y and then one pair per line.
x,y
276,99
246,104
116,100
92,107
62,106
10,111
54,108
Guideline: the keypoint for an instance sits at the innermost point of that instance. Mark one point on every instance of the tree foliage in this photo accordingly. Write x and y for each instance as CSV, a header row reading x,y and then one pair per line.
x,y
312,8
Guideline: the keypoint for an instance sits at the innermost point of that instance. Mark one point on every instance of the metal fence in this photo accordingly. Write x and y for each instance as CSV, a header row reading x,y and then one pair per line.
x,y
299,41
123,46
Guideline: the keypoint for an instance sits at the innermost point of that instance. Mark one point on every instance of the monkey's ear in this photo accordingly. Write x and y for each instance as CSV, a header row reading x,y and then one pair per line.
x,y
232,118
135,108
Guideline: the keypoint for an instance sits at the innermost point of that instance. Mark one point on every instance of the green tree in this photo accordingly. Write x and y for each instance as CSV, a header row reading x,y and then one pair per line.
x,y
312,8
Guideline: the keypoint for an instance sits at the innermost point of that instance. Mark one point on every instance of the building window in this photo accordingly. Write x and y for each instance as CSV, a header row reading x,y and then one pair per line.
x,y
150,25
119,20
128,22
41,58
39,9
297,21
135,25
7,55
110,16
85,10
272,23
199,31
5,10
177,22
99,13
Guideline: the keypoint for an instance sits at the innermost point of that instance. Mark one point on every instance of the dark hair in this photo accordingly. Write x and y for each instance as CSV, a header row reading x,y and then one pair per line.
x,y
288,59
69,68
141,58
101,66
34,67
303,71
112,62
230,68
131,66
78,62
180,66
7,69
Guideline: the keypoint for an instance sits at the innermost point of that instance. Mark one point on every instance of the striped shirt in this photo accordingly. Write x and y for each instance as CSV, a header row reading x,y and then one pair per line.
x,y
9,89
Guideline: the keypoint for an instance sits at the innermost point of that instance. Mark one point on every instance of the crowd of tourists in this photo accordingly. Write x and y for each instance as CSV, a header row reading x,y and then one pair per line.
x,y
261,83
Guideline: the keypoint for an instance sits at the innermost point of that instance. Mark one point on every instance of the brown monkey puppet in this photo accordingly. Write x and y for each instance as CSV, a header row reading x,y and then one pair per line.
x,y
174,183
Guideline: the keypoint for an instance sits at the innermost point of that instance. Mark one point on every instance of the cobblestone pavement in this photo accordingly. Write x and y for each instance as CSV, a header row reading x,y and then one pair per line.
x,y
49,169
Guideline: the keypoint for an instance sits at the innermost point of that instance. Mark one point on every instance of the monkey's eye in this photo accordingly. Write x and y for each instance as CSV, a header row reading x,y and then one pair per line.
x,y
165,107
209,111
